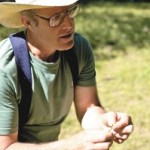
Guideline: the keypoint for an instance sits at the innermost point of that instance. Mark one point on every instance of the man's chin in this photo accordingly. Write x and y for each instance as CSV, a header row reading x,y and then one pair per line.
x,y
67,46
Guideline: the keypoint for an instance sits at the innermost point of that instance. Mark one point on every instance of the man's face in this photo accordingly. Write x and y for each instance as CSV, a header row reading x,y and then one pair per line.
x,y
58,37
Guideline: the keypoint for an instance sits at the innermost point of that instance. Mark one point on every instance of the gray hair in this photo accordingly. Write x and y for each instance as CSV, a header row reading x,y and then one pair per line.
x,y
30,14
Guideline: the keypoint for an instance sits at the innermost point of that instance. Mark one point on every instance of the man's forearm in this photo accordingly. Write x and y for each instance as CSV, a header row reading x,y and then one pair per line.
x,y
62,144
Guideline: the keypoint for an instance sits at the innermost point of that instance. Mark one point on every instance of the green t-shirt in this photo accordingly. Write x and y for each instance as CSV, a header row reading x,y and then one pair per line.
x,y
52,91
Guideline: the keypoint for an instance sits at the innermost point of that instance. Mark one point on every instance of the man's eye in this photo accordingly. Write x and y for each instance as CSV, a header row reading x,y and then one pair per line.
x,y
57,17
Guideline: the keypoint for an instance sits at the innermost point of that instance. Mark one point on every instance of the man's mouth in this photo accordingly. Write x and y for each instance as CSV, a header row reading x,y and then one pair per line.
x,y
66,36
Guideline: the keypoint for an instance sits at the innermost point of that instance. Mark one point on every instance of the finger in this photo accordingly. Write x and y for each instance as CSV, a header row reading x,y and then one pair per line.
x,y
110,119
119,141
121,136
128,129
125,133
123,121
103,146
122,132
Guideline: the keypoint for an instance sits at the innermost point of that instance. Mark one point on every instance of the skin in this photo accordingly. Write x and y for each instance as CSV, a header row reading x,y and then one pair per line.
x,y
43,47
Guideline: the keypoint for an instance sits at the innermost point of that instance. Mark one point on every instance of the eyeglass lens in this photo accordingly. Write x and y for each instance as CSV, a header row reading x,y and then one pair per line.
x,y
57,19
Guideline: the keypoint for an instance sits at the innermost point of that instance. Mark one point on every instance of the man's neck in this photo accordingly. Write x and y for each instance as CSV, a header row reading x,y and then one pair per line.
x,y
38,48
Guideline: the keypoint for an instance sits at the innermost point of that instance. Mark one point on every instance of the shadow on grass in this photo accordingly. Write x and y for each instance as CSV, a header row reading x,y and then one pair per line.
x,y
109,3
114,29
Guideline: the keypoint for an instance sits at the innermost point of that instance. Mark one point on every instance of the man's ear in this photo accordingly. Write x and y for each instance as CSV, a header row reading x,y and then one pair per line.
x,y
28,23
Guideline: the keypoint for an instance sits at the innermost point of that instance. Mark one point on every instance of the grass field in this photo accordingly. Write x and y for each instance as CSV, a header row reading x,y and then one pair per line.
x,y
124,85
120,36
122,52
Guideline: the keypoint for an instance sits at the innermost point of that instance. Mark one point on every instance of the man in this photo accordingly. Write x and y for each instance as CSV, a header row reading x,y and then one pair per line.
x,y
50,30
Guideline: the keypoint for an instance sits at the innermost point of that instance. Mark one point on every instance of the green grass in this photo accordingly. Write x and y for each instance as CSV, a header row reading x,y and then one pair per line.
x,y
120,36
123,85
116,25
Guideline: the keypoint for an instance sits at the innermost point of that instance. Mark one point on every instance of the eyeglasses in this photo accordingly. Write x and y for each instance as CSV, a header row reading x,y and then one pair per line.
x,y
58,18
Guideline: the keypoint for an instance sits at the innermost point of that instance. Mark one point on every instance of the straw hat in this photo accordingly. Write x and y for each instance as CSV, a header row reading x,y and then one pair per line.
x,y
10,11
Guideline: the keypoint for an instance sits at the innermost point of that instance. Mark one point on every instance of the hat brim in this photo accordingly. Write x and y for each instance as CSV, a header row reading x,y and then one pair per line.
x,y
10,12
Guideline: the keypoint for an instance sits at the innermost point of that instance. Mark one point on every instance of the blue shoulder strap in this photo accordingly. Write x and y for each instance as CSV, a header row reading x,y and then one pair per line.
x,y
24,74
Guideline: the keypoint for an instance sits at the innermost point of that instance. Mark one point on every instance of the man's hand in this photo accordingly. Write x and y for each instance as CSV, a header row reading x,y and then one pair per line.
x,y
91,139
119,124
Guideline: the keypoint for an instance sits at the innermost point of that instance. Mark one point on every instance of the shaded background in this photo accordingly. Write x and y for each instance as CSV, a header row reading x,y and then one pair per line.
x,y
91,1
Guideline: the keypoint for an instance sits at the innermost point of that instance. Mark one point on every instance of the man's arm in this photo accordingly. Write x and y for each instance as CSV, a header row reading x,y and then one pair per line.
x,y
10,142
86,97
80,141
120,124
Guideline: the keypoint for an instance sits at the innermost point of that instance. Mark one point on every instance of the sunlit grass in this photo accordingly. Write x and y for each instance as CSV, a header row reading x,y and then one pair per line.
x,y
123,86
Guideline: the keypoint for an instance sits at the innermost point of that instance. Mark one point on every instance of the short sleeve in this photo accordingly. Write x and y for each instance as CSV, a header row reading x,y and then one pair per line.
x,y
8,102
86,61
8,107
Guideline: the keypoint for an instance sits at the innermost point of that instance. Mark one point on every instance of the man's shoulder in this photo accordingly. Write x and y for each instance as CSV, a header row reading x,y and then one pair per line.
x,y
81,44
7,60
80,39
5,48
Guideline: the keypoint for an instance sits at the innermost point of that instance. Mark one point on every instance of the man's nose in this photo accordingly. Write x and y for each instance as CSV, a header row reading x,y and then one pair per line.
x,y
68,22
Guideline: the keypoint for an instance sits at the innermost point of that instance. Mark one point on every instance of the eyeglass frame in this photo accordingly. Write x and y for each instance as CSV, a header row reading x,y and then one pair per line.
x,y
63,17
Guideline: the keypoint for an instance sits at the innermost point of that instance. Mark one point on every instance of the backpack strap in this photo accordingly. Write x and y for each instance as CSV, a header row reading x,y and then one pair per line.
x,y
73,64
19,45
